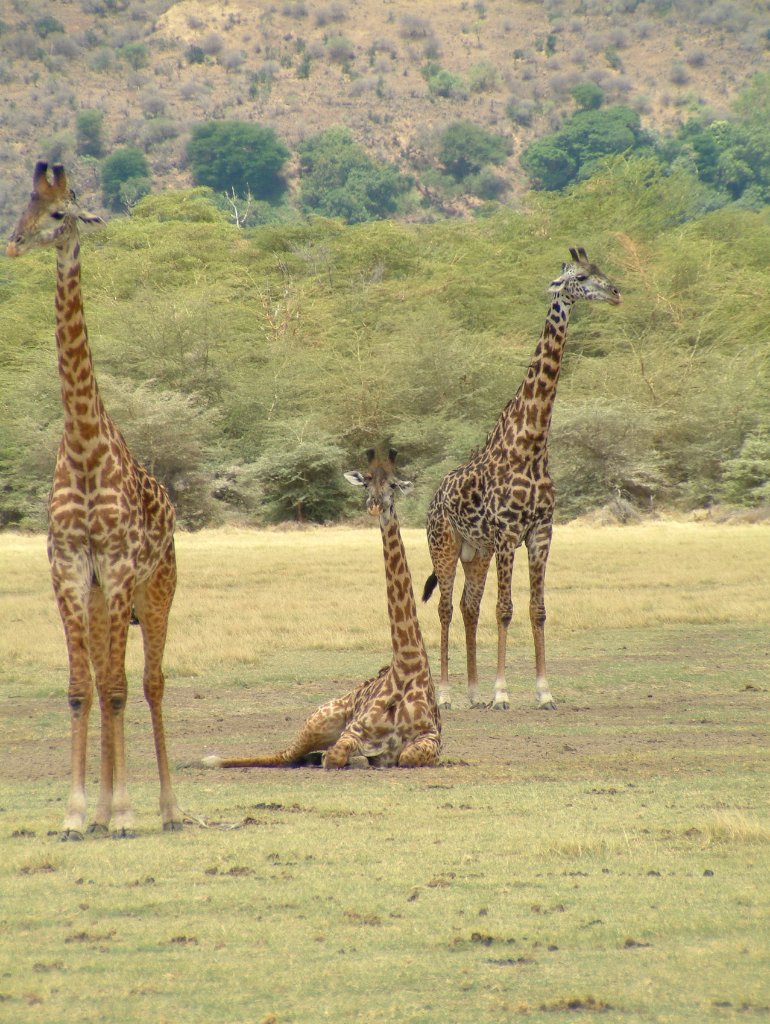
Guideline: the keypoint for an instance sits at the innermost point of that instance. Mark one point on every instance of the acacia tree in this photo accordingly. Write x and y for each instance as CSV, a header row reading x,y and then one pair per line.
x,y
465,148
238,156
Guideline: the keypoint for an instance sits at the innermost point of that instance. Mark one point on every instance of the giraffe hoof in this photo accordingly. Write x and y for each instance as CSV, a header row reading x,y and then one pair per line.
x,y
547,705
173,826
71,835
123,833
445,705
502,706
97,829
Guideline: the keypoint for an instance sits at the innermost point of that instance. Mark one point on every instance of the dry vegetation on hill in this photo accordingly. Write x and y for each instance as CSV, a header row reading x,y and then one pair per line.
x,y
156,68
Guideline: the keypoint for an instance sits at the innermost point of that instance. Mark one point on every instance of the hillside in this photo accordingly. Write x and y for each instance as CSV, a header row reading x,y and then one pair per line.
x,y
156,68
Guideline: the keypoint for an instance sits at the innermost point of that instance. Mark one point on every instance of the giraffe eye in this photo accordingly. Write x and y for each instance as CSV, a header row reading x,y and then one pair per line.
x,y
57,215
581,277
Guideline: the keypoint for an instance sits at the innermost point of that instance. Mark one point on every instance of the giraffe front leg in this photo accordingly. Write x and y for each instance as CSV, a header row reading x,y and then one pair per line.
x,y
444,545
422,752
348,744
538,547
339,755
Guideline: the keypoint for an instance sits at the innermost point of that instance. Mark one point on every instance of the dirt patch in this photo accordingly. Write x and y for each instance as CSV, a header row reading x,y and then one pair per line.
x,y
636,730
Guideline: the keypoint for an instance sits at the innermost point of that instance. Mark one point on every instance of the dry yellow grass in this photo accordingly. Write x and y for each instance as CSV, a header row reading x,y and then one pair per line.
x,y
243,594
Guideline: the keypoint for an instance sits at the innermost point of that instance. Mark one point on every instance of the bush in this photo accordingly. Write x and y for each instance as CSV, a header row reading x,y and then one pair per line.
x,y
338,179
136,54
47,25
88,137
124,166
483,77
746,477
443,83
588,95
236,155
302,480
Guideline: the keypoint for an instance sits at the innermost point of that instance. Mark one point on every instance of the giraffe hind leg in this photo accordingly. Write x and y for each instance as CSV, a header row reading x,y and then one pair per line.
x,y
320,732
153,603
71,582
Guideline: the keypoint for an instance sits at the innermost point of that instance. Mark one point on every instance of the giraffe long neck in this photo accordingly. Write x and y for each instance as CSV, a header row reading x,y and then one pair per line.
x,y
408,648
525,422
80,394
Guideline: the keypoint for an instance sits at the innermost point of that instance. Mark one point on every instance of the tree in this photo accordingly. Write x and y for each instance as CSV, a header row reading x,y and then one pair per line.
x,y
125,173
465,148
302,480
574,151
89,133
339,179
249,158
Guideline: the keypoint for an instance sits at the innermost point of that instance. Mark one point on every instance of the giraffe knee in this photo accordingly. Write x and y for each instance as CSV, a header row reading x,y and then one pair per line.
x,y
78,705
537,615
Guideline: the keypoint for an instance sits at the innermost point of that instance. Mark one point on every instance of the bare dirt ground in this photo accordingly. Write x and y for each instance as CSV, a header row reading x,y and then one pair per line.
x,y
657,719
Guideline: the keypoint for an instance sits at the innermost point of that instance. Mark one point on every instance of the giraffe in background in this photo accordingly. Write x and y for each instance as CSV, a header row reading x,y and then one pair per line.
x,y
503,497
110,535
393,718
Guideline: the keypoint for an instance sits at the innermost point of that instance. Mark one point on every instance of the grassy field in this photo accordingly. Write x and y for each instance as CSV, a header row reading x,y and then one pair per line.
x,y
610,859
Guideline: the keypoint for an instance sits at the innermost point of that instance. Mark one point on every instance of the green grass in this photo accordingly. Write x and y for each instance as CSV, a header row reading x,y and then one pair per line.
x,y
610,859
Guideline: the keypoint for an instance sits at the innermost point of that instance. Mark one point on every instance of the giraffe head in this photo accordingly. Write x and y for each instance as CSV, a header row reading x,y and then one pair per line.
x,y
381,484
51,215
582,279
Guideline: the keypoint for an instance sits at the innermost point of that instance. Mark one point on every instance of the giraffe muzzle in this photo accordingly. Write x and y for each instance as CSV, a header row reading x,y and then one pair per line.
x,y
373,509
11,249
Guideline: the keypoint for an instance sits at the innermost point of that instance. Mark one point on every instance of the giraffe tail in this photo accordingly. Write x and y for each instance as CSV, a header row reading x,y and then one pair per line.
x,y
430,586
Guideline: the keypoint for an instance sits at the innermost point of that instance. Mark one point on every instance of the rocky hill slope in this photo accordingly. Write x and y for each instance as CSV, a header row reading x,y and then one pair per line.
x,y
156,68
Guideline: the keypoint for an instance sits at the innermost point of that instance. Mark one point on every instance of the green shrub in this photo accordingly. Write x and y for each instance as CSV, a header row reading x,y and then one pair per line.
x,y
587,95
339,179
589,135
88,139
125,165
464,148
746,476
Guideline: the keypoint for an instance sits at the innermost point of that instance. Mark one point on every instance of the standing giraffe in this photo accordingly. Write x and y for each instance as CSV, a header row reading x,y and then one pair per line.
x,y
110,535
503,496
393,718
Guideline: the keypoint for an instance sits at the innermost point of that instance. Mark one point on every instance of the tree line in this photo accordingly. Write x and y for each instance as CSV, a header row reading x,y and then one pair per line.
x,y
248,367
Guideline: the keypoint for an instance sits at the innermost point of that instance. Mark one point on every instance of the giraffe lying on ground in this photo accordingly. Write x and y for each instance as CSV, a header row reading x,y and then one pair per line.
x,y
503,497
393,718
110,534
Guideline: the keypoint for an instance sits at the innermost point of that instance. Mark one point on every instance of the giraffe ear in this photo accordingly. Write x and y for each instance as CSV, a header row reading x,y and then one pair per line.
x,y
89,221
405,486
355,478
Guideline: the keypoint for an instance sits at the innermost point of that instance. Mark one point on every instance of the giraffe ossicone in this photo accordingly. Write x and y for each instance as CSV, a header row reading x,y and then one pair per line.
x,y
503,497
110,535
393,718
